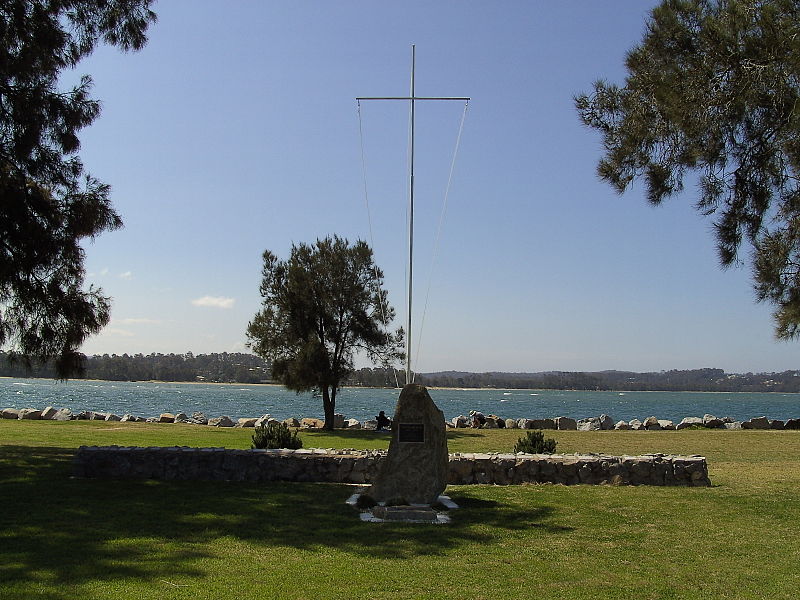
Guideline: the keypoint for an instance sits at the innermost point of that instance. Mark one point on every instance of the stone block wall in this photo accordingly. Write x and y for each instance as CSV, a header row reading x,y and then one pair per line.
x,y
361,466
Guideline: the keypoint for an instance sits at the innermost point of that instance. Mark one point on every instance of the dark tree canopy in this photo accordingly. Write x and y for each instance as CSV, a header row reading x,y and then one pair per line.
x,y
319,307
713,90
48,203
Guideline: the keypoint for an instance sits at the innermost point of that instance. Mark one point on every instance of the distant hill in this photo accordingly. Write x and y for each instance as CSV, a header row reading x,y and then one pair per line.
x,y
700,380
224,367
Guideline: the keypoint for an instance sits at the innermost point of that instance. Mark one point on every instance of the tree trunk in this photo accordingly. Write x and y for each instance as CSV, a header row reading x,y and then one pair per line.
x,y
329,405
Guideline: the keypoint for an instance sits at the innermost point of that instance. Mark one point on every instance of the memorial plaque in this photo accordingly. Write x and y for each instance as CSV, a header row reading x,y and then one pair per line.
x,y
416,467
411,433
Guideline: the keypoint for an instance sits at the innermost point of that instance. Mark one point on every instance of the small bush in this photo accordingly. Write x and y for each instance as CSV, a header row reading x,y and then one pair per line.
x,y
534,443
365,501
276,435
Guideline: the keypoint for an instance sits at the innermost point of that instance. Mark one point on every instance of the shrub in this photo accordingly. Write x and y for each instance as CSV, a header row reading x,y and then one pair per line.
x,y
276,435
534,443
365,501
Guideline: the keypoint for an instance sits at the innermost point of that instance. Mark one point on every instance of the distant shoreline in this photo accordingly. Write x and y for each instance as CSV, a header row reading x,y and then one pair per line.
x,y
430,387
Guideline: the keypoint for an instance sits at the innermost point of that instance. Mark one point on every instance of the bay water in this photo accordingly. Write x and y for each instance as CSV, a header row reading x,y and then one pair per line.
x,y
148,399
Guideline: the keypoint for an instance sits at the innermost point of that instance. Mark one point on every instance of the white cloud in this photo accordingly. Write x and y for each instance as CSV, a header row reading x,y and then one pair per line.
x,y
137,321
104,271
118,332
127,275
214,302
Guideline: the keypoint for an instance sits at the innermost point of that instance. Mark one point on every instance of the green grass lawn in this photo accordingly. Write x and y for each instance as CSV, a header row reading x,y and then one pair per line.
x,y
67,538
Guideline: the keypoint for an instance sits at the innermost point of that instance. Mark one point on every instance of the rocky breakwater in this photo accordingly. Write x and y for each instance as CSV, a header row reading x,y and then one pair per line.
x,y
197,418
362,466
604,422
475,420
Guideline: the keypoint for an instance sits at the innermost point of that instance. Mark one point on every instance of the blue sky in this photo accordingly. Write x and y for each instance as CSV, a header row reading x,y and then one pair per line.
x,y
235,130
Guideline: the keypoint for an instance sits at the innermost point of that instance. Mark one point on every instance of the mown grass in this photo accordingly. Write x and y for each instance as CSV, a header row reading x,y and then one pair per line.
x,y
67,538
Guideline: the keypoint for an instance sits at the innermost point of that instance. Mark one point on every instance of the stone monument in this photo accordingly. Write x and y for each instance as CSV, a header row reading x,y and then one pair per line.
x,y
416,467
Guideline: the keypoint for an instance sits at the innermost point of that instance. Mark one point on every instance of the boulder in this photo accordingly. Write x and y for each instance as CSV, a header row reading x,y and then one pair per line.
x,y
129,418
181,418
566,424
292,422
30,414
312,423
63,414
199,418
113,417
543,424
369,425
499,421
756,423
620,425
48,413
666,424
606,422
689,422
262,421
166,418
9,413
417,464
734,425
635,424
247,422
351,424
590,424
460,422
511,424
776,424
792,424
651,424
489,424
224,421
712,422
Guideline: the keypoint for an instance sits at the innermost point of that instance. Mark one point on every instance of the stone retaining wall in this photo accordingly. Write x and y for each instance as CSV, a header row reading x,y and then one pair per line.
x,y
361,466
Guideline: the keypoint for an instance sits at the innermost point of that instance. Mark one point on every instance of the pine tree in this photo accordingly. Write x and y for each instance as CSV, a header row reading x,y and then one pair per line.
x,y
48,204
319,307
713,90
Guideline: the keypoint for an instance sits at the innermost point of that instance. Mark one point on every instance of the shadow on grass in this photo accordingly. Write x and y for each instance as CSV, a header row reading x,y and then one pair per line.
x,y
77,530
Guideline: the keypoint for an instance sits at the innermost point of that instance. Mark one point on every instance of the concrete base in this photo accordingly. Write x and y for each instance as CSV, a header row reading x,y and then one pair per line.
x,y
410,513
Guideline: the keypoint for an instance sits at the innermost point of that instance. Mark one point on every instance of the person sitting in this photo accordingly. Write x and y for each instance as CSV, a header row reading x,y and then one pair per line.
x,y
478,418
384,422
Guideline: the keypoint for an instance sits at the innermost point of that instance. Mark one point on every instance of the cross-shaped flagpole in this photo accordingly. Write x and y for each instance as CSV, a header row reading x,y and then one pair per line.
x,y
412,99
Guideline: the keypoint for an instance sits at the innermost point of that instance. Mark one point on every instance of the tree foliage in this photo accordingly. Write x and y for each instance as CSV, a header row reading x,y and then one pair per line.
x,y
713,90
319,307
48,203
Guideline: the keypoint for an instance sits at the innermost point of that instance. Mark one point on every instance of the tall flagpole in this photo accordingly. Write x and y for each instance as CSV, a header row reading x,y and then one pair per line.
x,y
412,98
410,222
